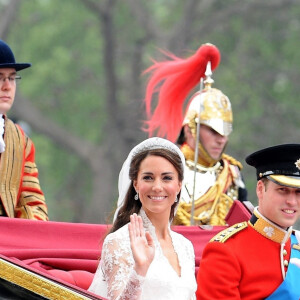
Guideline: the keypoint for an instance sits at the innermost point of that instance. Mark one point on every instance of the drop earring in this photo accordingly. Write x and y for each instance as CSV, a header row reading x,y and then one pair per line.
x,y
136,197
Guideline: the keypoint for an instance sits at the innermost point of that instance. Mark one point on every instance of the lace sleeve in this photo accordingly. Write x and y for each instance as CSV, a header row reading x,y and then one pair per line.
x,y
123,283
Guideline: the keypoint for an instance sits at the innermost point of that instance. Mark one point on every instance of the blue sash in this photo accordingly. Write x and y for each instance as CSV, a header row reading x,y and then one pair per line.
x,y
290,287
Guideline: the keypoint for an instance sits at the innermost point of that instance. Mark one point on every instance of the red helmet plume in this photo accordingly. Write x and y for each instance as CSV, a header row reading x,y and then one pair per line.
x,y
173,80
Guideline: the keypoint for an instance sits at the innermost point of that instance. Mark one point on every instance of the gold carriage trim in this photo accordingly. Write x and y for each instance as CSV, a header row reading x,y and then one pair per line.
x,y
36,283
225,234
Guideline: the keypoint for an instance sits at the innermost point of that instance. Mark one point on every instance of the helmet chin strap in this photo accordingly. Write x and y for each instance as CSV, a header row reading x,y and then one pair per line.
x,y
204,158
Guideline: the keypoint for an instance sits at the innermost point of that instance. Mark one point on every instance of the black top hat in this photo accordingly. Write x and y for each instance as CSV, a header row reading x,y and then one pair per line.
x,y
7,59
280,164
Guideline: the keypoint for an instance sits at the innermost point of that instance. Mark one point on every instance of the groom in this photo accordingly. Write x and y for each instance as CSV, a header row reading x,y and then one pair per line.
x,y
259,259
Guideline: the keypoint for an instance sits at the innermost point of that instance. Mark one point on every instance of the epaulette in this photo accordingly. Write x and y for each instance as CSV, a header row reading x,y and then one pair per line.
x,y
232,160
225,234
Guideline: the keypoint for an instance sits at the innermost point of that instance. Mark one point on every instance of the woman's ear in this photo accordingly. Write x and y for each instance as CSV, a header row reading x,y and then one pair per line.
x,y
135,185
180,186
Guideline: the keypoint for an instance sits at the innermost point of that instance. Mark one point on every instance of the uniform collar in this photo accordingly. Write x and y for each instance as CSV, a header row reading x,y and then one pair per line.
x,y
269,229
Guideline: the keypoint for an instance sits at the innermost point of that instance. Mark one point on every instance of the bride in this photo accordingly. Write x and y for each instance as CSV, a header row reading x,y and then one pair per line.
x,y
142,258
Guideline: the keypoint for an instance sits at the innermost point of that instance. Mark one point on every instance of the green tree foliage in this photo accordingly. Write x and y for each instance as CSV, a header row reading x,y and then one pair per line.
x,y
83,97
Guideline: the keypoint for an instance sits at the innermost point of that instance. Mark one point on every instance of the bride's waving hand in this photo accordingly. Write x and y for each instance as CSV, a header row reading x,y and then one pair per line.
x,y
141,244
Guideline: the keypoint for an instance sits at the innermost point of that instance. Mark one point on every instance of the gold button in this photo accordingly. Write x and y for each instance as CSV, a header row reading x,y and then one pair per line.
x,y
284,252
285,263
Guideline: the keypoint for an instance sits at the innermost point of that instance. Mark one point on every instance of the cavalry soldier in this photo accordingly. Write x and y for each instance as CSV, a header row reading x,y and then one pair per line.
x,y
260,259
212,178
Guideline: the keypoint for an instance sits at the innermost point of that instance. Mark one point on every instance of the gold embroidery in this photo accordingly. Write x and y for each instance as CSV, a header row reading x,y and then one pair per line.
x,y
267,229
224,235
296,246
36,283
11,167
212,207
30,167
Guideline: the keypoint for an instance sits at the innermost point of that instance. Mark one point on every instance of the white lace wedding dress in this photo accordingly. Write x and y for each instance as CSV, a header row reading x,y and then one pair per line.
x,y
116,279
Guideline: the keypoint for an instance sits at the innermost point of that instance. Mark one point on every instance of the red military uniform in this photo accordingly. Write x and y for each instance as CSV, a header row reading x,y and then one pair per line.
x,y
20,192
246,261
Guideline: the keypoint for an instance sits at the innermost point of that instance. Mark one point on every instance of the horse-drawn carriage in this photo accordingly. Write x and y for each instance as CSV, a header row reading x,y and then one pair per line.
x,y
57,260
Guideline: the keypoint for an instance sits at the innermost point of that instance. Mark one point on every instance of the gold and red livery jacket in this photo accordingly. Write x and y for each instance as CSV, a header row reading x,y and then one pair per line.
x,y
20,191
247,261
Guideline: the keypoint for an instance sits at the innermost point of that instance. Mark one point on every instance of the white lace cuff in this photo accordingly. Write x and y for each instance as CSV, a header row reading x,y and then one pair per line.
x,y
134,287
138,277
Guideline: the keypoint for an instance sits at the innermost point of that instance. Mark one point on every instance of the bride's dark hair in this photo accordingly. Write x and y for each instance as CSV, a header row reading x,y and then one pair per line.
x,y
130,205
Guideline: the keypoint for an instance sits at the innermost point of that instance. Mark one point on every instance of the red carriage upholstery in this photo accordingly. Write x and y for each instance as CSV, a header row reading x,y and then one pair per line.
x,y
70,252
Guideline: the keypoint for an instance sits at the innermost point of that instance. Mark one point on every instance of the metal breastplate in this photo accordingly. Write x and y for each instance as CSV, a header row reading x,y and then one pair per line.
x,y
207,178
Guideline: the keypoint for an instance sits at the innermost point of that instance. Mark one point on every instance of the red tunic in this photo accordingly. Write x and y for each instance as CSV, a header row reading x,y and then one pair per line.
x,y
244,262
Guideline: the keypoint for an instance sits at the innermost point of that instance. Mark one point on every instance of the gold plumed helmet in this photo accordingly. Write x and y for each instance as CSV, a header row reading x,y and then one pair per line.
x,y
214,107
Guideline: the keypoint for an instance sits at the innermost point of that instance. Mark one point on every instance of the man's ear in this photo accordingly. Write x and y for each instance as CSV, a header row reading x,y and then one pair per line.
x,y
190,140
187,130
260,188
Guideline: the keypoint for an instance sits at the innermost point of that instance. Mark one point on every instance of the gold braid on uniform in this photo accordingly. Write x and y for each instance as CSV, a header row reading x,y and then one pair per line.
x,y
227,233
212,207
232,160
